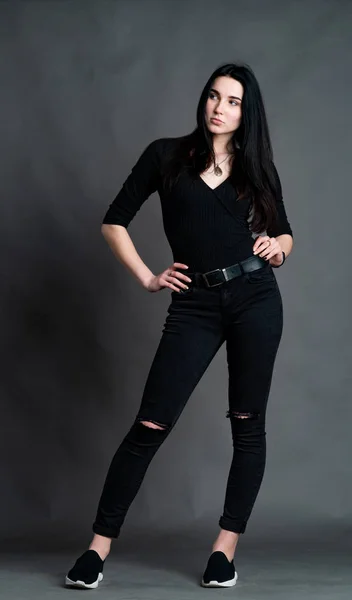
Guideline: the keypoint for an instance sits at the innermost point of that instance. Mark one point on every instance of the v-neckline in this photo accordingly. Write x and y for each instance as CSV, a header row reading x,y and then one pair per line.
x,y
208,186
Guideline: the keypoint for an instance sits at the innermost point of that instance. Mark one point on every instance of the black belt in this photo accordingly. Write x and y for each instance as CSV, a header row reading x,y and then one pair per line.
x,y
219,276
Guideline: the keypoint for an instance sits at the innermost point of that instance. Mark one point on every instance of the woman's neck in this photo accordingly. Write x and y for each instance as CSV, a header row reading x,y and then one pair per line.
x,y
222,145
221,150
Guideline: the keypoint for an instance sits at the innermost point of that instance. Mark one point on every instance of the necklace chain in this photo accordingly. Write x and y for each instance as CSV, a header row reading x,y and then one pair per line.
x,y
219,163
217,171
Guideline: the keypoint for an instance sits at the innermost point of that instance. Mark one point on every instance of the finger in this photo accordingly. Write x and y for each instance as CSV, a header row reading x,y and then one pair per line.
x,y
261,247
176,280
172,274
269,243
173,287
272,249
268,251
180,265
182,276
270,254
167,284
261,239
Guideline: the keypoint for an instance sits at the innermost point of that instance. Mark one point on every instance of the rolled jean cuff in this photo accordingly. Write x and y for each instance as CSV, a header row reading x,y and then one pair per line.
x,y
230,525
105,531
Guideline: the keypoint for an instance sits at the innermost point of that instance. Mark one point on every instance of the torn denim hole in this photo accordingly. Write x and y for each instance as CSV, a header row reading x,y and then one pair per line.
x,y
162,425
242,415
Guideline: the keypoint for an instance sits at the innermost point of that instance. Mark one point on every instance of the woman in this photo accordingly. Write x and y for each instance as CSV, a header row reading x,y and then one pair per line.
x,y
217,185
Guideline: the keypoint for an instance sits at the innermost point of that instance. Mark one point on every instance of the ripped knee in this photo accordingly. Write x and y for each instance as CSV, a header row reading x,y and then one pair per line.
x,y
242,415
152,425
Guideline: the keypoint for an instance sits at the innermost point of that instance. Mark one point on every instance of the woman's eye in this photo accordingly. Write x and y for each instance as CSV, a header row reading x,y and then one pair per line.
x,y
212,95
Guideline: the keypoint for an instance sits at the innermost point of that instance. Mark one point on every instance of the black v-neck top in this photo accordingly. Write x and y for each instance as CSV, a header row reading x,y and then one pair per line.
x,y
206,228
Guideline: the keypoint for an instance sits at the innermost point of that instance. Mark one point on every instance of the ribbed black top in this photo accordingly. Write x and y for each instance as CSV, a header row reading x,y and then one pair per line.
x,y
206,228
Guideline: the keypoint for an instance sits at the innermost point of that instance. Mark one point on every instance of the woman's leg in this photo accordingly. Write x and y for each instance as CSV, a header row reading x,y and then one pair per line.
x,y
190,339
252,342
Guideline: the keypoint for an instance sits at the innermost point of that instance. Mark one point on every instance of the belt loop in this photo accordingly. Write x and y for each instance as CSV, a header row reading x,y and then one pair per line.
x,y
241,267
243,272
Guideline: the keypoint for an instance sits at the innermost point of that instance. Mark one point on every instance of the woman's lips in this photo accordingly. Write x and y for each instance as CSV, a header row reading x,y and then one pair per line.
x,y
216,121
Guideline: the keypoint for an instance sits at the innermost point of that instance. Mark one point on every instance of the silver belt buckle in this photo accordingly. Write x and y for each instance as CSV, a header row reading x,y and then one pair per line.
x,y
204,275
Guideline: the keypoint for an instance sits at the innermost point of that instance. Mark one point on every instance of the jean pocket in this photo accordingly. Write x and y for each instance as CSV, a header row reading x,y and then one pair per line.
x,y
262,275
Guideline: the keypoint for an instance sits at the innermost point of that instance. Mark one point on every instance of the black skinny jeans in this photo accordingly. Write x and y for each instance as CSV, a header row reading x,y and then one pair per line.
x,y
247,313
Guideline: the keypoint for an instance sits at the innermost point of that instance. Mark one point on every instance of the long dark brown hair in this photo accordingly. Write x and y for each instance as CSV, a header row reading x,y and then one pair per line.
x,y
253,172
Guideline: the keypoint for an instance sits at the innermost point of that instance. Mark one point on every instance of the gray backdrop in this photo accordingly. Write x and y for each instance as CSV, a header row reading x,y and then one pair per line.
x,y
85,86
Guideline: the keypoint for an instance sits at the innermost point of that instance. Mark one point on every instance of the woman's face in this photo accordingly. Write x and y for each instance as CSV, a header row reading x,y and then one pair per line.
x,y
224,103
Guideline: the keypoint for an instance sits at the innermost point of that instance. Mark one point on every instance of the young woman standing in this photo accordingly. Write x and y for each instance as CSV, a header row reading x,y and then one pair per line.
x,y
217,185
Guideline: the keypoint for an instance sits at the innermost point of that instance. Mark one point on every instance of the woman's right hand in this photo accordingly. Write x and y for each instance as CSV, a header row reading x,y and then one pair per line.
x,y
169,278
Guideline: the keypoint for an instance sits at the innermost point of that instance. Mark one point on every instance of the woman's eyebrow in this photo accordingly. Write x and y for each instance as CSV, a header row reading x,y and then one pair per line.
x,y
216,91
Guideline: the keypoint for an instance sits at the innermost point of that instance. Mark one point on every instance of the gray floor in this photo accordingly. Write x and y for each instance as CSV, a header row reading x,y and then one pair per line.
x,y
163,565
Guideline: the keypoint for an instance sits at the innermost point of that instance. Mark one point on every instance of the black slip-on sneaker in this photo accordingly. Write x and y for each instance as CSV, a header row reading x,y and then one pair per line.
x,y
219,572
87,572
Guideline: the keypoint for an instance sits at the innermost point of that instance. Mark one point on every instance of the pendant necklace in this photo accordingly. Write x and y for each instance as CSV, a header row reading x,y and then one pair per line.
x,y
217,171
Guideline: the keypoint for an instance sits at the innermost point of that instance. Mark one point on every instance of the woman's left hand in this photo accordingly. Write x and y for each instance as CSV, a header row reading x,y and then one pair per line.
x,y
268,248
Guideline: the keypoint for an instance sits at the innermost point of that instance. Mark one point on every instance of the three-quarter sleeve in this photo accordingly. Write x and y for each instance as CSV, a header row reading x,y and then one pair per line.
x,y
142,181
282,226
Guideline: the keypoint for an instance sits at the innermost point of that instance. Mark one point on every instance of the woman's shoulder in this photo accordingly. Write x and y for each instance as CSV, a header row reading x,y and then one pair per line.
x,y
165,143
162,149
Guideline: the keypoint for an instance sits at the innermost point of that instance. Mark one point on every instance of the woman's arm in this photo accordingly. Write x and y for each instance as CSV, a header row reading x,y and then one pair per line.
x,y
124,250
142,181
140,184
286,243
282,231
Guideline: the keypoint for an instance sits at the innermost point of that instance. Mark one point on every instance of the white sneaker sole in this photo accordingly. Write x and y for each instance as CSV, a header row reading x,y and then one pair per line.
x,y
214,583
82,584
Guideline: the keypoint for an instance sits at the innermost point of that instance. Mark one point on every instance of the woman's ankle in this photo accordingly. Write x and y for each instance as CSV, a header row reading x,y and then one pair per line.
x,y
226,542
101,545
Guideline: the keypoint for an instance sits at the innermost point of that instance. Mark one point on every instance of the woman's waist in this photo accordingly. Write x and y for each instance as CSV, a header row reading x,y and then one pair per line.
x,y
207,258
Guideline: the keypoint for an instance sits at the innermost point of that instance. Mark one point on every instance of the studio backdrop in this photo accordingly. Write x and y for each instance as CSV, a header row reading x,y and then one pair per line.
x,y
85,87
